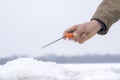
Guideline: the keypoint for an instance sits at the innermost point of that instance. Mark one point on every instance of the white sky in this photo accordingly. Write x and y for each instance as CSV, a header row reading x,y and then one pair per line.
x,y
27,25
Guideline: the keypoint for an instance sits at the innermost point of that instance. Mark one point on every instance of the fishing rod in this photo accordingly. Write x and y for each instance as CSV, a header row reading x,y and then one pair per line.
x,y
67,35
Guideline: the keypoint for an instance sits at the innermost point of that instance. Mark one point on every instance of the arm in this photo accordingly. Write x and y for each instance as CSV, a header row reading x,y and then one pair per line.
x,y
108,12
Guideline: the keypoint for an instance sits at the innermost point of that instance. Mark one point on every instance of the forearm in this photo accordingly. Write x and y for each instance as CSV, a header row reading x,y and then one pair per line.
x,y
108,12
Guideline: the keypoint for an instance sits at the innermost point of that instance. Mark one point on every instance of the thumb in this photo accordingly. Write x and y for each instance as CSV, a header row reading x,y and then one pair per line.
x,y
75,34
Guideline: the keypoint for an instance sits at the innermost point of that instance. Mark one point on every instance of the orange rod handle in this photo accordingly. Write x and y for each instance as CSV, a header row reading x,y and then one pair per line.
x,y
68,35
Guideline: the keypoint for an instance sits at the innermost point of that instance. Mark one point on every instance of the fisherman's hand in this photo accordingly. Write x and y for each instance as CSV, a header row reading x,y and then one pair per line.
x,y
83,32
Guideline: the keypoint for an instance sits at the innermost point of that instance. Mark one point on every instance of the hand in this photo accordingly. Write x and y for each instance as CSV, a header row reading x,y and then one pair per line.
x,y
83,32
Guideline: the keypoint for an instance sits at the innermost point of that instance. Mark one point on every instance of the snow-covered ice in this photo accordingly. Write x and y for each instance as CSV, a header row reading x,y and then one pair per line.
x,y
31,69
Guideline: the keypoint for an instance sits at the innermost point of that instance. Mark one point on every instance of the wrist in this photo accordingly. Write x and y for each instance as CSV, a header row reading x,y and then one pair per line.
x,y
97,25
103,29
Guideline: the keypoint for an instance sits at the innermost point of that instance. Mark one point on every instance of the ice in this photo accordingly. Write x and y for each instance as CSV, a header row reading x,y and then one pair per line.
x,y
32,69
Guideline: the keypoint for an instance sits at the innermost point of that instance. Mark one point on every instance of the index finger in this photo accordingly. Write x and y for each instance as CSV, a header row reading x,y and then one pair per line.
x,y
71,29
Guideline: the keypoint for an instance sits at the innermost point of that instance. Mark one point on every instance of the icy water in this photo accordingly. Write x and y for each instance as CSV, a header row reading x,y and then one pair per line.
x,y
31,69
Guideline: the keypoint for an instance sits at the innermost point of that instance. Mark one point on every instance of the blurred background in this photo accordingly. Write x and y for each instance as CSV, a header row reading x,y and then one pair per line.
x,y
27,25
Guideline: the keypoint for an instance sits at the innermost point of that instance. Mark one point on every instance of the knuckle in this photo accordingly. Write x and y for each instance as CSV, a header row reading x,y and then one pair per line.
x,y
76,38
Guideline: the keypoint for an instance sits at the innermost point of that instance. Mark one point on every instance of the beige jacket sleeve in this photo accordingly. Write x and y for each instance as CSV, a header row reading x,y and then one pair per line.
x,y
108,12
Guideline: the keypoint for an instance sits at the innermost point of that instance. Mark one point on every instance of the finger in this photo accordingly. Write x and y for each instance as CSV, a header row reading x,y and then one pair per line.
x,y
76,37
77,34
71,29
83,38
79,31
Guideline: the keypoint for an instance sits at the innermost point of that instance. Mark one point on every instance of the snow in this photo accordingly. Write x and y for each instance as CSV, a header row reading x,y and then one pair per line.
x,y
31,69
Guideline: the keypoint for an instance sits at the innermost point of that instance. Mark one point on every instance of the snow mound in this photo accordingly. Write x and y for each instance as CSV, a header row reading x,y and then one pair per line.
x,y
31,69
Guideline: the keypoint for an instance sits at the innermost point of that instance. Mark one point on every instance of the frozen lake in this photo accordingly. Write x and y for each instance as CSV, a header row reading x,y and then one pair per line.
x,y
31,69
